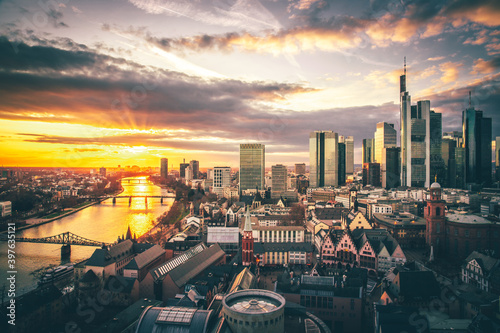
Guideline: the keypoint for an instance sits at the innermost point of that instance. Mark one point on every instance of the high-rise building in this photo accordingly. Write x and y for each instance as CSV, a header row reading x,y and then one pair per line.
x,y
415,139
371,174
182,170
102,172
349,153
188,173
385,137
497,158
300,168
477,132
368,151
195,167
391,162
279,180
210,174
252,167
164,168
448,147
323,159
221,179
342,163
437,165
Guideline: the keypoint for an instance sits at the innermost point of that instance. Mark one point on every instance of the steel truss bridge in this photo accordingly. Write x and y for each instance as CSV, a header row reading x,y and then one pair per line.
x,y
66,239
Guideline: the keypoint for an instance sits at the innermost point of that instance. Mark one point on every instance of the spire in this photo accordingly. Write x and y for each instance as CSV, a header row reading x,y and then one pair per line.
x,y
129,233
402,80
248,221
405,67
470,102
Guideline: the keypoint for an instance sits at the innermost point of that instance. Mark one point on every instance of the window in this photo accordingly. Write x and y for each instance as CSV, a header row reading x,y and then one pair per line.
x,y
479,234
438,211
466,233
456,232
438,227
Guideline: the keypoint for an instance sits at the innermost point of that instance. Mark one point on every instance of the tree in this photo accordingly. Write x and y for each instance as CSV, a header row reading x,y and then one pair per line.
x,y
296,216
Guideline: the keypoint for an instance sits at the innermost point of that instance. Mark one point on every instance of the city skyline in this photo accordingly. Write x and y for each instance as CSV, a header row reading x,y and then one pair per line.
x,y
86,84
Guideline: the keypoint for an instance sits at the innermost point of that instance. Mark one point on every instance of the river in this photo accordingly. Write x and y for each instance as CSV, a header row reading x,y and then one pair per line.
x,y
102,222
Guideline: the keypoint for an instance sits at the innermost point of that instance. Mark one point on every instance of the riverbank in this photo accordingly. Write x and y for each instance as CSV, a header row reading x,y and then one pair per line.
x,y
35,222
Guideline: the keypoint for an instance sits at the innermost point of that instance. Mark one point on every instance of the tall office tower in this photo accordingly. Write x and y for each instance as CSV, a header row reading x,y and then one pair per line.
x,y
448,146
391,158
371,174
437,165
323,159
385,137
477,143
279,180
405,121
349,154
182,169
300,168
497,158
164,168
368,151
210,174
342,162
195,167
189,173
102,171
252,167
222,178
415,139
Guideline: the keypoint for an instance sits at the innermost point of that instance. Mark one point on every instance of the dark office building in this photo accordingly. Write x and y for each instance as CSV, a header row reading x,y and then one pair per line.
x,y
195,166
164,168
371,174
342,163
437,165
182,170
392,167
368,150
477,134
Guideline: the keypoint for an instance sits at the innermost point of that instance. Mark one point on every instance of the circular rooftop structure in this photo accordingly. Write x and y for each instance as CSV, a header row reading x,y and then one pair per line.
x,y
435,185
253,309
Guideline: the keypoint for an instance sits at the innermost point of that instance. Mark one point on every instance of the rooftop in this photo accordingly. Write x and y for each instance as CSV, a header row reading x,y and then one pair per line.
x,y
467,219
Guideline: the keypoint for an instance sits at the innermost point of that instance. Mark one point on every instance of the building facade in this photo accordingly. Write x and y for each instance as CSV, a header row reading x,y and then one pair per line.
x,y
221,179
164,168
368,151
279,180
477,132
323,159
252,167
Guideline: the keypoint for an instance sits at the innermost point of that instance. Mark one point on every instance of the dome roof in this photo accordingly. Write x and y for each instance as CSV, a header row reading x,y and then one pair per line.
x,y
435,185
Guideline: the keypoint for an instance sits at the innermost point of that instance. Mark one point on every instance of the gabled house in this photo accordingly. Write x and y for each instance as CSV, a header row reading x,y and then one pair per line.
x,y
482,271
355,220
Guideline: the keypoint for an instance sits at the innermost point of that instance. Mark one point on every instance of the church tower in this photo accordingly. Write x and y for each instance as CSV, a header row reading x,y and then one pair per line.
x,y
434,215
247,241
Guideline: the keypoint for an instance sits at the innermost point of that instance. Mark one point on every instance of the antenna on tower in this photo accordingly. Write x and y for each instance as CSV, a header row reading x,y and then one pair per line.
x,y
470,102
405,66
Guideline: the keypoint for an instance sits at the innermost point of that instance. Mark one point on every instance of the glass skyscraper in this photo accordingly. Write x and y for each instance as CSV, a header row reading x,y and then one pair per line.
x,y
368,150
477,132
323,159
252,166
415,139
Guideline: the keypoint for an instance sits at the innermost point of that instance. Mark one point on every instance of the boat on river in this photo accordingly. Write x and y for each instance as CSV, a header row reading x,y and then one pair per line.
x,y
57,274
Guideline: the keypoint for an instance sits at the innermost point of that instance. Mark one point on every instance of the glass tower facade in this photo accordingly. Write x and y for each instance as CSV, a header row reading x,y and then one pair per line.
x,y
252,167
323,159
368,150
477,132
